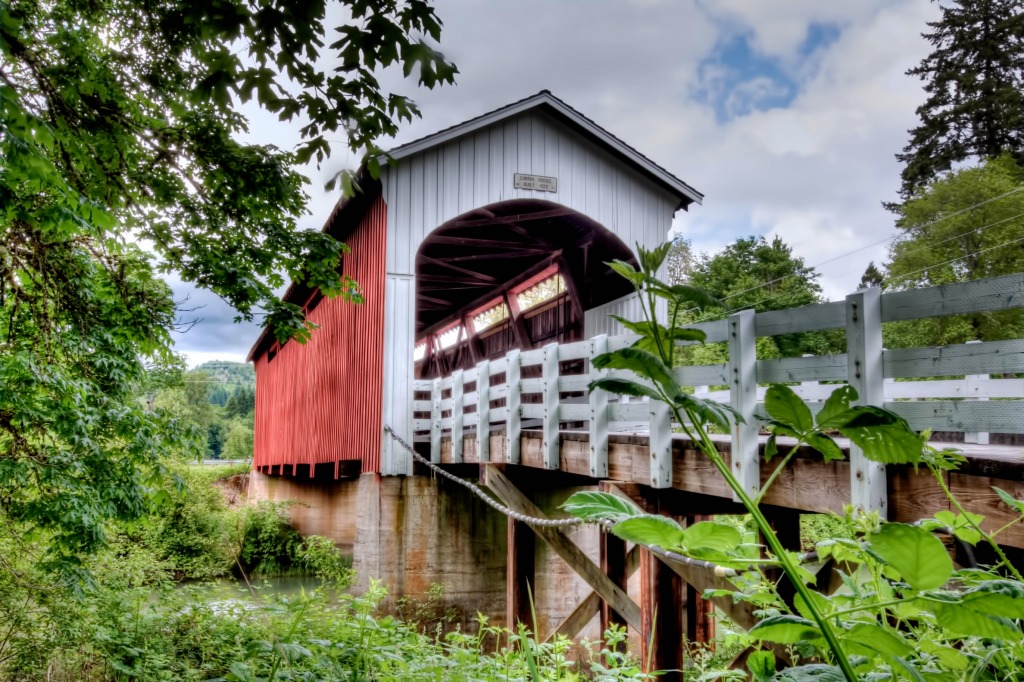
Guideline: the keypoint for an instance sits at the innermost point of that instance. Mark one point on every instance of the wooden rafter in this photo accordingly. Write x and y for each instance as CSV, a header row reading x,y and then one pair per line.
x,y
472,274
518,218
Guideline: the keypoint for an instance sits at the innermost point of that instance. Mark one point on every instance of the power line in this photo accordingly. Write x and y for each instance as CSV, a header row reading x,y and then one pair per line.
x,y
889,239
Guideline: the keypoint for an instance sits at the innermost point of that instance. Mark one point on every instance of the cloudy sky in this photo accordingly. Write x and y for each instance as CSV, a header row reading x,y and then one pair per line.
x,y
786,114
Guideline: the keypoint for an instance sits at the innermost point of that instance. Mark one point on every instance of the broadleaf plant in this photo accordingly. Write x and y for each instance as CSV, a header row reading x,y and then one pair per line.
x,y
903,611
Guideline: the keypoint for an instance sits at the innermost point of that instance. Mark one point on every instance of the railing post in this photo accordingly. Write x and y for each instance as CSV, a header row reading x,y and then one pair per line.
x,y
458,416
598,412
483,411
513,427
660,444
973,386
549,376
868,490
745,449
435,420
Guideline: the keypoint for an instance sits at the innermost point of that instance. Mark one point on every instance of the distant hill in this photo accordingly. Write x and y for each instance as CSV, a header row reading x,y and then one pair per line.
x,y
229,374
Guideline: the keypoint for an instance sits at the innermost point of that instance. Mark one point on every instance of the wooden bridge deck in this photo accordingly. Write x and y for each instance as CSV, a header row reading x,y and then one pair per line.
x,y
808,485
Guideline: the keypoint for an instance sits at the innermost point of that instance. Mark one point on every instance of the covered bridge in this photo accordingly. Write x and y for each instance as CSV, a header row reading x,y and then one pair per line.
x,y
451,246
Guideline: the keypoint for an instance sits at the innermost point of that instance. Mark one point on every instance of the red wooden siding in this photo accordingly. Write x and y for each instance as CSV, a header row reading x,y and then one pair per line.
x,y
320,403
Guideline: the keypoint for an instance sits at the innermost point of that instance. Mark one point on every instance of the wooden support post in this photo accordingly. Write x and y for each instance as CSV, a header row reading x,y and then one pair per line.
x,y
458,416
549,375
513,401
745,448
519,576
519,329
561,545
613,565
661,617
483,411
864,373
598,412
435,420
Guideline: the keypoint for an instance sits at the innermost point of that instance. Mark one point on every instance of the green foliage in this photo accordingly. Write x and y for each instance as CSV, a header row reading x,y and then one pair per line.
x,y
903,610
753,273
975,90
121,127
943,242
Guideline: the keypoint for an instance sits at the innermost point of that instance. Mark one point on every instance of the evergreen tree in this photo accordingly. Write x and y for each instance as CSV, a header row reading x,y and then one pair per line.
x,y
872,277
975,105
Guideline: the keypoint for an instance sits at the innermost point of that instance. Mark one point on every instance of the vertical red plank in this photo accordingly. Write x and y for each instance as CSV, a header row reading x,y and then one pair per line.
x,y
321,401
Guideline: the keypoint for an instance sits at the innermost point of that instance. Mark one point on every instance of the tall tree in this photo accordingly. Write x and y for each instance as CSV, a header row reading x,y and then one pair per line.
x,y
872,276
755,273
680,260
974,78
968,225
120,125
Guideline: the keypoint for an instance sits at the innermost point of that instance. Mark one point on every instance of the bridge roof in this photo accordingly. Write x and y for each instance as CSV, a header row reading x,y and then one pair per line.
x,y
587,127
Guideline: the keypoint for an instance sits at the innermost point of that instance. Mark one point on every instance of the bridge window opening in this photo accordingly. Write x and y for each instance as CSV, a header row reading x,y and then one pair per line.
x,y
495,312
420,351
449,337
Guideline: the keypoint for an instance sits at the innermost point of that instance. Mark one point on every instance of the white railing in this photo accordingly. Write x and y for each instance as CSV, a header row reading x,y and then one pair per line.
x,y
538,395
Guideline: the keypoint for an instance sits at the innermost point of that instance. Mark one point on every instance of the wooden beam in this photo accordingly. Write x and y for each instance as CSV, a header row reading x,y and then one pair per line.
x,y
472,274
661,617
580,616
519,577
498,483
519,329
570,286
613,564
519,218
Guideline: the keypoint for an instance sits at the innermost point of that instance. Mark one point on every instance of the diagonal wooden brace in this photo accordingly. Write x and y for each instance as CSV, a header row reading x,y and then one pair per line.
x,y
565,548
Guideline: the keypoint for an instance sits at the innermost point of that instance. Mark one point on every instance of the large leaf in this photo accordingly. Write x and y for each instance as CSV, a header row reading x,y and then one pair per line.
x,y
590,504
708,411
836,404
872,638
785,630
959,618
786,407
624,387
651,529
628,271
815,672
918,556
711,535
884,436
643,363
681,294
761,665
997,598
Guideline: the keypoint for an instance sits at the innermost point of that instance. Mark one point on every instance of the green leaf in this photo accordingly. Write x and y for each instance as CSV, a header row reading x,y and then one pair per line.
x,y
785,629
820,601
628,271
961,619
682,294
771,448
761,665
825,445
713,536
918,556
1015,504
624,387
643,363
651,529
815,672
997,598
785,406
872,638
590,504
836,404
948,656
884,436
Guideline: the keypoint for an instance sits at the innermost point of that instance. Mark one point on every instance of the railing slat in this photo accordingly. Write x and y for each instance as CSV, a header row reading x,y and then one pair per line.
x,y
702,375
814,368
483,411
513,401
994,293
549,374
998,416
992,357
435,421
803,319
458,415
598,412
